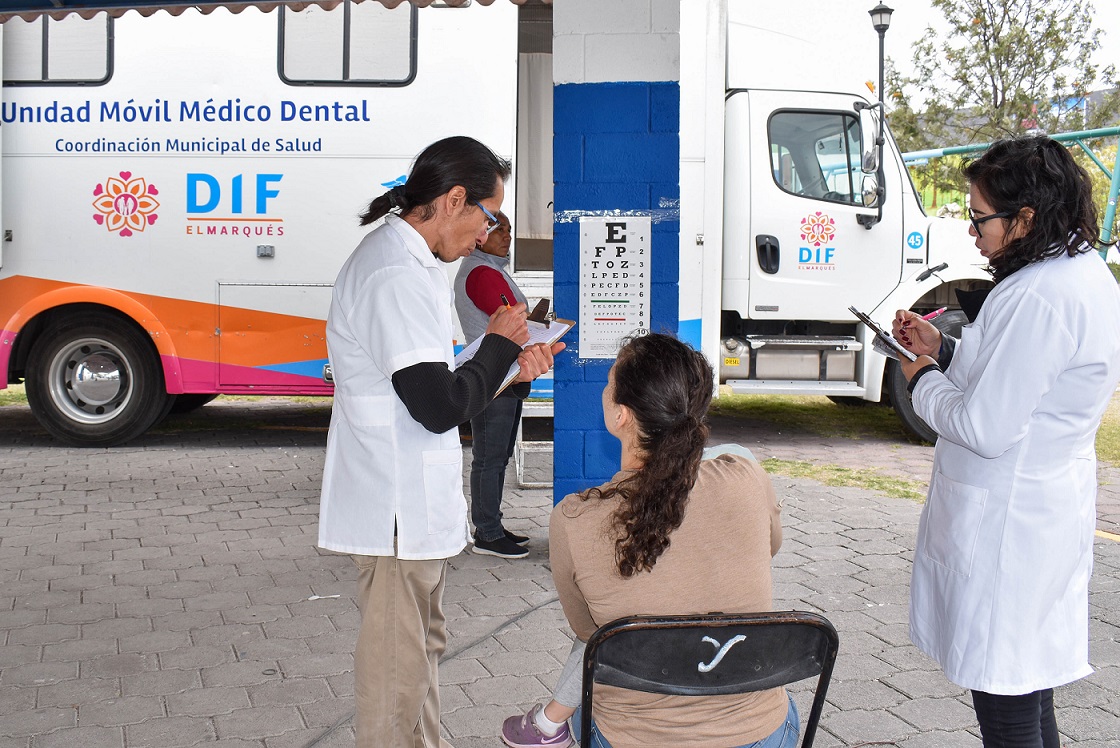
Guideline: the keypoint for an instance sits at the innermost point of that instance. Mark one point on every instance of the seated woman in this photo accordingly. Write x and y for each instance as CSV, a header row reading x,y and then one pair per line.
x,y
670,534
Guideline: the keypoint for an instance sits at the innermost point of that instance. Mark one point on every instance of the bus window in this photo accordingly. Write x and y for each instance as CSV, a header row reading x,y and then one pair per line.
x,y
68,51
357,44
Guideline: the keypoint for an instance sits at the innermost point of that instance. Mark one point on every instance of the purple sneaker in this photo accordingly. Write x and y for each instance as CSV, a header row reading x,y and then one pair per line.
x,y
522,732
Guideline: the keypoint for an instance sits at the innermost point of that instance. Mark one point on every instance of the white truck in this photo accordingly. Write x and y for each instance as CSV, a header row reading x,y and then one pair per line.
x,y
790,212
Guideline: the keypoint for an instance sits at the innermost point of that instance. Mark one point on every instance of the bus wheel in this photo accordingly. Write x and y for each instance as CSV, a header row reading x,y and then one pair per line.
x,y
96,381
951,323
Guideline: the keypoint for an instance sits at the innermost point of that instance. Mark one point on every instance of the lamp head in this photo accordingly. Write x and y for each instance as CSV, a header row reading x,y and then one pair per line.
x,y
881,17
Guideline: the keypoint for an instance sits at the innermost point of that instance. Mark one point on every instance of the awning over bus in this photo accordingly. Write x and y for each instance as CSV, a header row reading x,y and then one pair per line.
x,y
29,9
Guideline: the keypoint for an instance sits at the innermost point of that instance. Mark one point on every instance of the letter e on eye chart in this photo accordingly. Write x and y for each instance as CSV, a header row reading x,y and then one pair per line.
x,y
613,282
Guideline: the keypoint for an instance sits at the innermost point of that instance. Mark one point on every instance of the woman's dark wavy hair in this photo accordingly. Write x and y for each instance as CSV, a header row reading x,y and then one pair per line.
x,y
444,164
1039,173
668,387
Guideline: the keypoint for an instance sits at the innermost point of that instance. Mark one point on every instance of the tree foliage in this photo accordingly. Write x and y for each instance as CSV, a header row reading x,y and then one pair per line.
x,y
1004,68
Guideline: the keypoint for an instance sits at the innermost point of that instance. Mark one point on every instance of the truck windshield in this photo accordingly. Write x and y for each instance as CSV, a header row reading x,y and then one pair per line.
x,y
816,155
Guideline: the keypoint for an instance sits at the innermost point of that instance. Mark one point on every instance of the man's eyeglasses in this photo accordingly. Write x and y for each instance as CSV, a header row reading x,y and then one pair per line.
x,y
492,223
977,221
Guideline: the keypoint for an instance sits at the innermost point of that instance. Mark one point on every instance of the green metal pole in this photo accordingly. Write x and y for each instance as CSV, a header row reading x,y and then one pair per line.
x,y
1110,207
1076,137
1093,156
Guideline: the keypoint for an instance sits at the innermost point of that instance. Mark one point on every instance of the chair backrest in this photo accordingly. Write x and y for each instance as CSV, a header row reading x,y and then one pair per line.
x,y
707,655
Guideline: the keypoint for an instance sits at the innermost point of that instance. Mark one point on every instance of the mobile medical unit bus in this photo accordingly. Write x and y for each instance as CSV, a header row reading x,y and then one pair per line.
x,y
179,191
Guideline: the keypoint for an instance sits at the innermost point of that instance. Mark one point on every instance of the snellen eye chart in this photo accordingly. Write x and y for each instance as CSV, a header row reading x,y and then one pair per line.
x,y
613,282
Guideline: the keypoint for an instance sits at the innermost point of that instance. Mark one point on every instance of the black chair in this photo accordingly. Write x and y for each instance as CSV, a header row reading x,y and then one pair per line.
x,y
709,655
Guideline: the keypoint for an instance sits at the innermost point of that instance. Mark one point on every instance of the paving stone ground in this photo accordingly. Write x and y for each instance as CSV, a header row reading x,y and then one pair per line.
x,y
170,593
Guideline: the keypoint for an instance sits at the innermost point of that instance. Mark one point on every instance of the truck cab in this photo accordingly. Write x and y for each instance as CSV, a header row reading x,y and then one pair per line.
x,y
817,215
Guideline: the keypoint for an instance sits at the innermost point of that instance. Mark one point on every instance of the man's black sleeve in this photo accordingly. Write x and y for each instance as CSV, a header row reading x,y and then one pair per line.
x,y
440,399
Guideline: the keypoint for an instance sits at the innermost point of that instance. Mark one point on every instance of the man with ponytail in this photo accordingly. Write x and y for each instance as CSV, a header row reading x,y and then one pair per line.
x,y
392,480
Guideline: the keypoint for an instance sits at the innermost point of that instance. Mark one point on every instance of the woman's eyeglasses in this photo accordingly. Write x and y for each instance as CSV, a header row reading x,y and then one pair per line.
x,y
977,221
492,223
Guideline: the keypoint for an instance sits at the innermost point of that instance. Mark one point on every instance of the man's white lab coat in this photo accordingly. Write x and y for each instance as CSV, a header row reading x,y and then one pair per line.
x,y
390,486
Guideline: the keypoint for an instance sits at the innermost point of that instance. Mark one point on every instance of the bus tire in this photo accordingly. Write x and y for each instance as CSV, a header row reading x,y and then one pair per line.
x,y
951,323
96,381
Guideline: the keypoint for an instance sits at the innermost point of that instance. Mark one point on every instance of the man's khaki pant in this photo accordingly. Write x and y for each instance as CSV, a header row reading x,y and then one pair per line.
x,y
396,661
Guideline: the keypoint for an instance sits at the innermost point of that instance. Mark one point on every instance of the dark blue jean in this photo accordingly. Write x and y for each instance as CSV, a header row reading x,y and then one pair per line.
x,y
494,433
1025,721
784,737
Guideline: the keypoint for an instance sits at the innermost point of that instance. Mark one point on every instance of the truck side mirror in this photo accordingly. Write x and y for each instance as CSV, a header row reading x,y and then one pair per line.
x,y
870,191
868,139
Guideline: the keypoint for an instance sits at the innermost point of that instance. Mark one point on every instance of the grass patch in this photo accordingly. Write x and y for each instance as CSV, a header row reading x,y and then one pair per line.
x,y
13,395
834,475
821,416
324,400
1108,438
816,415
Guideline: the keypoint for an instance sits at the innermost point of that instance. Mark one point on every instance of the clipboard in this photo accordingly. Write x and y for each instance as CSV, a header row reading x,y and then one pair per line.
x,y
884,342
547,332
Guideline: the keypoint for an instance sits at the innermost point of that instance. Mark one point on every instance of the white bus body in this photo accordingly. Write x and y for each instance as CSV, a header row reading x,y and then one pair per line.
x,y
183,219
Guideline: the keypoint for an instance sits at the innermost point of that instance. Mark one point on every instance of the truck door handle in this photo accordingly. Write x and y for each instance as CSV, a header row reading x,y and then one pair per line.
x,y
930,271
769,257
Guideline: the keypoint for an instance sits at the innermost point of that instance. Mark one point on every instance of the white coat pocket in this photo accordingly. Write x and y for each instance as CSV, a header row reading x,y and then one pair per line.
x,y
443,483
366,412
953,520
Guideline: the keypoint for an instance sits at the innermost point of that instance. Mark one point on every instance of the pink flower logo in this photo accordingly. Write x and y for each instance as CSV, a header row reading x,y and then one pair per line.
x,y
125,204
817,229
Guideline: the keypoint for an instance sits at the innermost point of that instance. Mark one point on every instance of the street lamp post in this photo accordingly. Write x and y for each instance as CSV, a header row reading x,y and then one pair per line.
x,y
881,21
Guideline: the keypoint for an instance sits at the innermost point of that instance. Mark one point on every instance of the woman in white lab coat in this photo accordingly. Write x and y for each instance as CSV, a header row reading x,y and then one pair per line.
x,y
1000,588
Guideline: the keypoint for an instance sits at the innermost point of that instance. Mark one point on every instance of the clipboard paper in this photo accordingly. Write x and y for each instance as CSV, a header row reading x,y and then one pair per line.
x,y
539,332
883,342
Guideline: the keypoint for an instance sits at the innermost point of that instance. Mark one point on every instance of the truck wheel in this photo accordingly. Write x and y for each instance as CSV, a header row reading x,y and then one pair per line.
x,y
951,323
189,402
95,381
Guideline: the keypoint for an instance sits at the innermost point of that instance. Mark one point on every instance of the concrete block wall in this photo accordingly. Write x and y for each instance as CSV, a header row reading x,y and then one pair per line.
x,y
616,147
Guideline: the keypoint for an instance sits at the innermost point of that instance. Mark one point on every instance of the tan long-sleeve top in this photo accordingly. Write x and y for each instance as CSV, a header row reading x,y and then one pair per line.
x,y
717,560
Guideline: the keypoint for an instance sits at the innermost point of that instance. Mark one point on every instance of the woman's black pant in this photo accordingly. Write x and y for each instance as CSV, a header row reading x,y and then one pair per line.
x,y
1025,721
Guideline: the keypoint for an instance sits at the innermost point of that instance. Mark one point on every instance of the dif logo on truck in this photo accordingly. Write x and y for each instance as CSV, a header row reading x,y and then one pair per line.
x,y
124,204
817,230
232,206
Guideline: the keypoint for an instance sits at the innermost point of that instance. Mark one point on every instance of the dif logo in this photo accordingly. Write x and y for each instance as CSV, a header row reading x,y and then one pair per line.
x,y
815,255
817,230
207,194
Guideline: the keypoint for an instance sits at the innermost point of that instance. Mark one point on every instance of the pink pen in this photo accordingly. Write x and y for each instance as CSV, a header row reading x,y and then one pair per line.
x,y
935,315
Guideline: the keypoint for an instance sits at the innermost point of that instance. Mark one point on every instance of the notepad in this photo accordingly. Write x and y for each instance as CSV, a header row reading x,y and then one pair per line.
x,y
884,342
539,332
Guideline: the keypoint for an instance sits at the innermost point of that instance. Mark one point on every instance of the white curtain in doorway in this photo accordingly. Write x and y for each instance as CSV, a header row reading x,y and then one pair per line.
x,y
534,147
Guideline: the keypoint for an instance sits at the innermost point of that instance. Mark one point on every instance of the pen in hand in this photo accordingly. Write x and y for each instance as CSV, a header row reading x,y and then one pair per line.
x,y
505,301
928,317
936,314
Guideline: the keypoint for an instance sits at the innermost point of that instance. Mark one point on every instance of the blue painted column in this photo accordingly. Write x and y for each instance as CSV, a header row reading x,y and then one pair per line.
x,y
616,151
